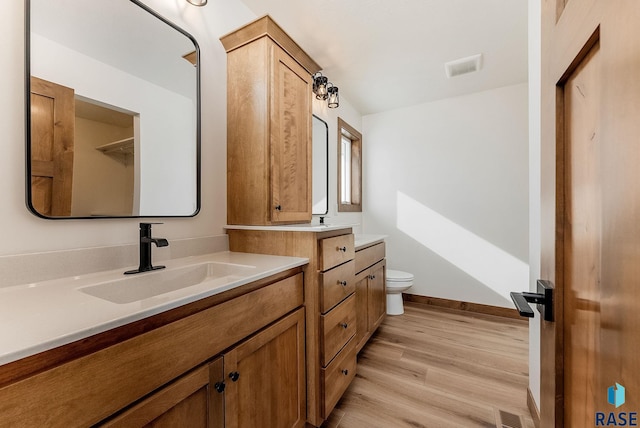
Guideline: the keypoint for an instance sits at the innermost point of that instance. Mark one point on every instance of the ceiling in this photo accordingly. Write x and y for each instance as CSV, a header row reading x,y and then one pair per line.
x,y
387,54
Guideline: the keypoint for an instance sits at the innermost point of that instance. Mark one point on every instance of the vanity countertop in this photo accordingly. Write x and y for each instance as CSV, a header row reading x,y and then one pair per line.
x,y
365,240
302,227
41,316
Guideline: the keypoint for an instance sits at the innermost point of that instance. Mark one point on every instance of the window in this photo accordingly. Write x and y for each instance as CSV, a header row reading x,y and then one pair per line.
x,y
345,165
349,168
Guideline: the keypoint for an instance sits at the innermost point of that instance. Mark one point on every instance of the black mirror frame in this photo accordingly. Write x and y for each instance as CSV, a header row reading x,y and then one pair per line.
x,y
27,104
326,125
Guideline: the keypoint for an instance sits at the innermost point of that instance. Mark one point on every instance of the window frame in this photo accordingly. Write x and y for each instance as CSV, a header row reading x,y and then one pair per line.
x,y
349,132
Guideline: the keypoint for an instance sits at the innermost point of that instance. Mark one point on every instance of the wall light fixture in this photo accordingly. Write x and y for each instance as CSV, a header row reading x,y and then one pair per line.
x,y
333,100
325,90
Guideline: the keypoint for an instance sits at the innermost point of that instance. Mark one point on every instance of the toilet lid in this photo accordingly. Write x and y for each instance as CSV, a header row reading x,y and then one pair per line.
x,y
398,275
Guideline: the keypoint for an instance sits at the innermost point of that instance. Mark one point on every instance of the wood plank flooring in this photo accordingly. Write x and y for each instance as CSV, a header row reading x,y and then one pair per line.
x,y
440,368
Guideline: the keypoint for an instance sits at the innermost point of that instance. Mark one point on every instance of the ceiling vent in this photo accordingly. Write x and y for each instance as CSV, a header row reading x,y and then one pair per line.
x,y
461,66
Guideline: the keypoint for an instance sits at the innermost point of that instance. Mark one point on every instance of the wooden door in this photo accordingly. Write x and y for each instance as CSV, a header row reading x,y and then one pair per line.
x,y
377,296
590,209
52,142
266,377
290,148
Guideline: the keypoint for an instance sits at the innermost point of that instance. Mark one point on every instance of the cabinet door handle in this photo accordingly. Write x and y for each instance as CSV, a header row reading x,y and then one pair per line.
x,y
372,277
343,249
278,207
234,376
219,386
343,283
345,371
344,325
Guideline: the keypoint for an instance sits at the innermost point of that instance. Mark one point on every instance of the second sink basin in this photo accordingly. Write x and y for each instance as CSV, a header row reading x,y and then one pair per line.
x,y
142,286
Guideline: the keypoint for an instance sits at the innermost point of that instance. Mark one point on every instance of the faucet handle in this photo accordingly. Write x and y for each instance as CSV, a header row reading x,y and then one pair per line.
x,y
144,226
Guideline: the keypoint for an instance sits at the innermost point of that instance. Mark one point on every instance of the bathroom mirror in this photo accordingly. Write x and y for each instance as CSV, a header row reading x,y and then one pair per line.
x,y
112,111
320,180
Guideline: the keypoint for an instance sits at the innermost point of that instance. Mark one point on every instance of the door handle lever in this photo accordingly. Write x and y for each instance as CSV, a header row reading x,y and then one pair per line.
x,y
543,298
521,301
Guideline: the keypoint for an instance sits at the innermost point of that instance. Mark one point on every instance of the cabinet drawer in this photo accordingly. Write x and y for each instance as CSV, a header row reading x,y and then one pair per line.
x,y
337,327
337,377
337,284
335,251
369,256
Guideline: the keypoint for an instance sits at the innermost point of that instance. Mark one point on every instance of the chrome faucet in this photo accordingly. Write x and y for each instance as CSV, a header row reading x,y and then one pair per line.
x,y
145,249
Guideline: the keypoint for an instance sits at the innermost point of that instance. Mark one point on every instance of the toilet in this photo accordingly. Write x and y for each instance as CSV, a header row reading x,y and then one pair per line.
x,y
397,282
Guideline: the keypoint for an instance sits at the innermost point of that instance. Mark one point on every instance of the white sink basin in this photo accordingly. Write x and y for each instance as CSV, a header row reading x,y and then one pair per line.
x,y
129,289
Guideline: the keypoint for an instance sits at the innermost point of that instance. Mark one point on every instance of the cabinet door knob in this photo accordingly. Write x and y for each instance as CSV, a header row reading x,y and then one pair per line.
x,y
345,371
219,386
343,249
278,207
234,376
372,277
343,283
344,325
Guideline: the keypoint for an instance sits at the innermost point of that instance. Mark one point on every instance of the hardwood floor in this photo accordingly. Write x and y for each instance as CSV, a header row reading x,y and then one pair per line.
x,y
435,367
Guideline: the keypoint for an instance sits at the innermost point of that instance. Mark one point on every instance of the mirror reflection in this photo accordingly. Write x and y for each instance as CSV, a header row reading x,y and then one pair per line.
x,y
320,188
113,114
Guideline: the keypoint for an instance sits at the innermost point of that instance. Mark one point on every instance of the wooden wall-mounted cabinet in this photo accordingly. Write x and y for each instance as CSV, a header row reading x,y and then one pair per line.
x,y
269,89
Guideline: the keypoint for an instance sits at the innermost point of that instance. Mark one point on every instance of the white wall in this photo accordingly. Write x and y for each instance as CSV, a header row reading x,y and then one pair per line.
x,y
22,232
535,16
447,181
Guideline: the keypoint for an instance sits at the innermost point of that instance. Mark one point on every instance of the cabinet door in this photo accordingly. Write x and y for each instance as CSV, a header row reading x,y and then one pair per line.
x,y
266,377
190,401
377,296
362,309
290,139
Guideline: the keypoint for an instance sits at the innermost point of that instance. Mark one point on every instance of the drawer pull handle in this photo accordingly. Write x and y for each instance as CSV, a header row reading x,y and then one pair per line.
x,y
343,283
345,371
278,207
219,386
234,376
344,325
343,249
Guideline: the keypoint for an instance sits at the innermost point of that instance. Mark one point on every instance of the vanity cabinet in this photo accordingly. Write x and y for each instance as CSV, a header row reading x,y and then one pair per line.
x,y
168,370
370,291
259,382
330,303
269,89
